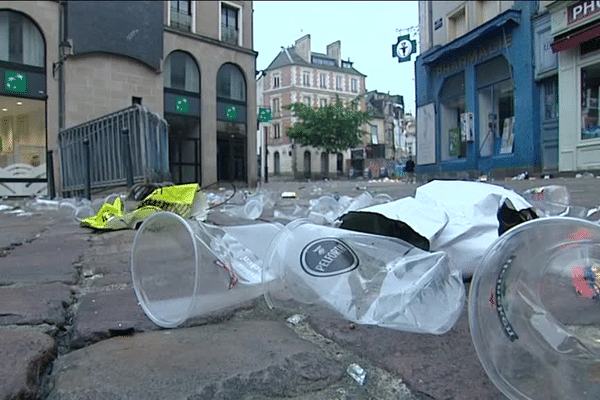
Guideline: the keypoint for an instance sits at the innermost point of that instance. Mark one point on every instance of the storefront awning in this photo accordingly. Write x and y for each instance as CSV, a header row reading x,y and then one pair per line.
x,y
573,39
513,16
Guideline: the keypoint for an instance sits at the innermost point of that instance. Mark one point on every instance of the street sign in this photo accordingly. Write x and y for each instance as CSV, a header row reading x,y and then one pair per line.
x,y
231,113
15,82
182,105
404,48
264,114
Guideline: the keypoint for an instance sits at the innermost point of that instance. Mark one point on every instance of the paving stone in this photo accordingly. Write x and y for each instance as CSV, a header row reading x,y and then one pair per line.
x,y
232,360
25,355
101,315
33,305
48,259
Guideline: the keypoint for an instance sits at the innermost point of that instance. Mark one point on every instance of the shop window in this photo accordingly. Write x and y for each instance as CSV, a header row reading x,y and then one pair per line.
x,y
452,105
181,72
495,92
590,82
21,41
22,132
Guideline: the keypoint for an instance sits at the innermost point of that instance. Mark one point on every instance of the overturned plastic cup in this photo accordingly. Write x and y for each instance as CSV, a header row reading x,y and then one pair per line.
x,y
365,278
534,310
183,269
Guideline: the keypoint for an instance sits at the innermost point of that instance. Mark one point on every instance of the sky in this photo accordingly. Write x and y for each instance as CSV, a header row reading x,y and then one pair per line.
x,y
367,30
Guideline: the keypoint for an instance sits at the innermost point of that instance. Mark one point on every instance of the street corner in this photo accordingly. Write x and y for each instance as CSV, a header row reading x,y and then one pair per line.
x,y
26,356
262,358
105,314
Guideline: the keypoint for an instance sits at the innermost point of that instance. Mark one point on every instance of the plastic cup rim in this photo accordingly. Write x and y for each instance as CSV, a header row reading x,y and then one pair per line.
x,y
141,298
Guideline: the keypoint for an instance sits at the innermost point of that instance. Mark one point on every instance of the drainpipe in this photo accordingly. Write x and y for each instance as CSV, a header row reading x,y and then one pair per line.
x,y
61,74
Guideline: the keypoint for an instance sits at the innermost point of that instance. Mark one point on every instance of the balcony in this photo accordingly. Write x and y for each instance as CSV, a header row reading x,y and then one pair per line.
x,y
229,35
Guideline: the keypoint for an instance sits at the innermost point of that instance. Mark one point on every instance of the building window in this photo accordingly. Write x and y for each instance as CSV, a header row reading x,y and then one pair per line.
x,y
486,10
181,72
457,24
229,24
231,84
276,81
323,102
181,15
452,106
306,79
374,137
354,85
496,109
306,100
338,83
590,81
21,41
323,81
276,106
276,131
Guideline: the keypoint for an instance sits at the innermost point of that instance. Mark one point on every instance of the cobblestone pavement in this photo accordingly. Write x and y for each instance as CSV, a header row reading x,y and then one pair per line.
x,y
71,326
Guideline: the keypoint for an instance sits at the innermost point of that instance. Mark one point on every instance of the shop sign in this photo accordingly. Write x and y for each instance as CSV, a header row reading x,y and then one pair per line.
x,y
182,105
404,48
264,114
582,10
231,114
472,56
15,82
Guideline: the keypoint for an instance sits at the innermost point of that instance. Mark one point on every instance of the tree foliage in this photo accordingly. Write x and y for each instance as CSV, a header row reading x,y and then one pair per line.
x,y
334,128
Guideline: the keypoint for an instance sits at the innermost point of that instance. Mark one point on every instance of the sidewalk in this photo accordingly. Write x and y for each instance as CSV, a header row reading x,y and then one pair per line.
x,y
71,328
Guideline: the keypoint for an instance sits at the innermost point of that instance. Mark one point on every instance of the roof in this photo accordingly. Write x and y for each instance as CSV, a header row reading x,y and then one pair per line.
x,y
288,56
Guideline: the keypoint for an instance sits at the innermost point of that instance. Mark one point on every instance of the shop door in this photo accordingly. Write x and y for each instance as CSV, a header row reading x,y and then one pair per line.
x,y
184,149
549,124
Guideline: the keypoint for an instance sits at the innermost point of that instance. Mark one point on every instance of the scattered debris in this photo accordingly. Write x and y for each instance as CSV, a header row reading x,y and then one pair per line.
x,y
296,319
288,195
357,373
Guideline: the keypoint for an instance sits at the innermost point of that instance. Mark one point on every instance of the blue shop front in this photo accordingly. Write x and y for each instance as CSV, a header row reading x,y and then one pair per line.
x,y
477,101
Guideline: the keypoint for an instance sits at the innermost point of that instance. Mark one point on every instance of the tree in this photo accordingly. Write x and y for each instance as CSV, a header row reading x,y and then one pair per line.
x,y
334,127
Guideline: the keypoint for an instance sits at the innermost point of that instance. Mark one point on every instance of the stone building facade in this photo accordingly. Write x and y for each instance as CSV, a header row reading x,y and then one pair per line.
x,y
297,74
86,59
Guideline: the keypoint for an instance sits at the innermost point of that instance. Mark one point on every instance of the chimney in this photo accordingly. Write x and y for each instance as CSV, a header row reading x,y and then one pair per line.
x,y
334,50
302,47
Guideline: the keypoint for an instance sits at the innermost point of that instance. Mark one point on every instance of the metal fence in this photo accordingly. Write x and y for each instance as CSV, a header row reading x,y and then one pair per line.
x,y
148,148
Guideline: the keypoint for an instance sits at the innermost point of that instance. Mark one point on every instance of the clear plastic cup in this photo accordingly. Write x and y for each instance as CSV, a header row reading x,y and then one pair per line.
x,y
185,268
365,278
534,310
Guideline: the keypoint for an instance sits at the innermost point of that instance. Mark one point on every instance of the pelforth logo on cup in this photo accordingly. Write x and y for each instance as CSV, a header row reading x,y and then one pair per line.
x,y
328,257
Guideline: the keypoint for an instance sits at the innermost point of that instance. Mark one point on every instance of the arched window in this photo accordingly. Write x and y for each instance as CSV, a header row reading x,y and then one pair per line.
x,y
231,83
181,72
21,41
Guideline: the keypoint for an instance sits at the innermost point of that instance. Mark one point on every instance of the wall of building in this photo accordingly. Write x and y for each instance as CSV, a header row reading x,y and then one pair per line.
x,y
97,84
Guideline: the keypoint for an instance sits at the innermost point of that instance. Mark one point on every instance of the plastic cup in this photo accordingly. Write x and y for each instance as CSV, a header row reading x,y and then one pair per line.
x,y
534,310
185,268
365,278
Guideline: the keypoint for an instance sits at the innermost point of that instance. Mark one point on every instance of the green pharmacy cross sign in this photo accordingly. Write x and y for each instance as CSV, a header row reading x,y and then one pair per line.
x,y
15,82
182,105
404,48
264,114
232,113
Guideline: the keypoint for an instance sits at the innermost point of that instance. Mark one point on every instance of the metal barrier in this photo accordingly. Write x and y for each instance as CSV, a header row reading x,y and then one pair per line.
x,y
148,147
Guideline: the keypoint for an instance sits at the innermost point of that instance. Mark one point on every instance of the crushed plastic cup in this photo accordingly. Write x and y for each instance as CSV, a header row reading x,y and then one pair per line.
x,y
534,308
552,200
41,205
368,279
83,212
324,210
381,198
183,269
357,373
